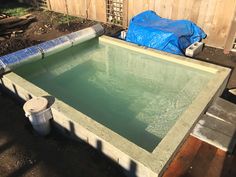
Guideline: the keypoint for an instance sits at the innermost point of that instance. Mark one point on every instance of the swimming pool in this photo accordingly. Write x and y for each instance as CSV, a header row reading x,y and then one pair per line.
x,y
136,105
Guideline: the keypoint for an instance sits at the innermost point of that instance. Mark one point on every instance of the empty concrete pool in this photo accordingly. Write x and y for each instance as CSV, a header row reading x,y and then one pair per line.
x,y
136,105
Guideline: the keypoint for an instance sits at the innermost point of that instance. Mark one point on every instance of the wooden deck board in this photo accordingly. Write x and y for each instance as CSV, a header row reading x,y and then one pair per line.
x,y
200,163
184,158
199,159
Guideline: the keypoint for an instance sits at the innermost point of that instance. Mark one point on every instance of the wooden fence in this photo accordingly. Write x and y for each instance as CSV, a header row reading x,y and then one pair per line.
x,y
213,16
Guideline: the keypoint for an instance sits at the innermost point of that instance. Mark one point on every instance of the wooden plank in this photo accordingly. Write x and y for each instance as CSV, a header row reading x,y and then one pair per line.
x,y
175,10
82,8
125,13
49,4
130,9
101,11
196,158
231,35
195,10
202,161
229,169
58,6
210,12
151,4
220,23
91,6
183,160
202,13
139,7
168,8
217,164
73,7
160,8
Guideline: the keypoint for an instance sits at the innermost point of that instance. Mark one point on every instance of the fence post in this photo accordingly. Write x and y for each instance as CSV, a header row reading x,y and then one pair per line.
x,y
125,13
231,36
49,4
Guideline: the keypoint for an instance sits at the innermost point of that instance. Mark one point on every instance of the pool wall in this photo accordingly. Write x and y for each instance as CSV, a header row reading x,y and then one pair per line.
x,y
135,160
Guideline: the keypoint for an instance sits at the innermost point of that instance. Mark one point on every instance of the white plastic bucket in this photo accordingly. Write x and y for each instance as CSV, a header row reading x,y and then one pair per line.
x,y
39,115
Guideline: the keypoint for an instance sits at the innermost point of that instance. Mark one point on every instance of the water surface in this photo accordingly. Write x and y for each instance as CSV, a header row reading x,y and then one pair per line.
x,y
135,95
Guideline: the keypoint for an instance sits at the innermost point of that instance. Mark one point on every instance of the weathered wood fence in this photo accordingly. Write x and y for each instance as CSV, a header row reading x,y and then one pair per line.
x,y
213,16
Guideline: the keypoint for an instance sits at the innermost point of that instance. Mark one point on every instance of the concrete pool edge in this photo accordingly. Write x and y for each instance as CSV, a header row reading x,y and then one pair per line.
x,y
169,145
85,128
115,146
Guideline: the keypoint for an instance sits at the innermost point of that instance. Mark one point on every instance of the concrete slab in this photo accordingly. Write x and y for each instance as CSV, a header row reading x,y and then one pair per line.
x,y
218,125
224,110
214,137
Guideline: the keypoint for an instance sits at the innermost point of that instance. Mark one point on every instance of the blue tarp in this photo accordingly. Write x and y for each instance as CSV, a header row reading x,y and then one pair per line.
x,y
173,36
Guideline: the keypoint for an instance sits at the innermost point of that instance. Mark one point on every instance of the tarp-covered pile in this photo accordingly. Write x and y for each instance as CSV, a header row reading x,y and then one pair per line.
x,y
173,36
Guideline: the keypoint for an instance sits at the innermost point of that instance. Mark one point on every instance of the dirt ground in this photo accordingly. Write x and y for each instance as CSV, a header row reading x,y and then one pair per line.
x,y
216,56
48,25
23,153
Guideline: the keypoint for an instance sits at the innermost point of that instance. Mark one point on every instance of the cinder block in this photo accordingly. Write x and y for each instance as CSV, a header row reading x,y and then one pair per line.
x,y
194,49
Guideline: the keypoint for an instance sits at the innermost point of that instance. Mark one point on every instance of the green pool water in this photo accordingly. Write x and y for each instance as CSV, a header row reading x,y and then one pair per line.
x,y
135,95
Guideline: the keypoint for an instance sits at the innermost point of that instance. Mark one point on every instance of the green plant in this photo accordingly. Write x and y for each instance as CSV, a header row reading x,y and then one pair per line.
x,y
66,19
14,9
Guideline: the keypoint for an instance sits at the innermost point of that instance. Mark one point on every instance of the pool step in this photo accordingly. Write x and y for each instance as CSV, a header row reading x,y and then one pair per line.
x,y
218,126
224,110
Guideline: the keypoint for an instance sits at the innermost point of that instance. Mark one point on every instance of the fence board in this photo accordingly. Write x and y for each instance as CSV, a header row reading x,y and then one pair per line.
x,y
213,16
58,5
73,7
231,35
101,10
